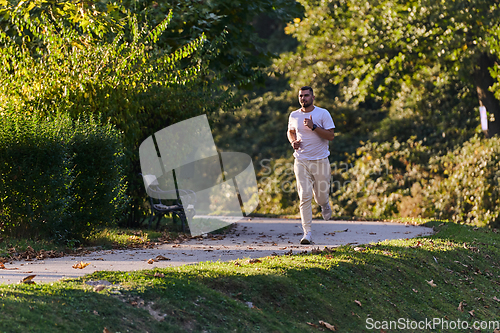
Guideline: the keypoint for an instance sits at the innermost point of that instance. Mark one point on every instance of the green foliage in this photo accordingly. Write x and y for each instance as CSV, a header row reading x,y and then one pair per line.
x,y
371,47
416,64
244,48
406,179
123,76
99,186
382,176
36,177
127,83
468,189
61,179
93,18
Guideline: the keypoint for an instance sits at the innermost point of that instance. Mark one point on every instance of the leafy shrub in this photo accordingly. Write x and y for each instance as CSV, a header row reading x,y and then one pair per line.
x,y
61,178
468,190
98,188
35,167
380,178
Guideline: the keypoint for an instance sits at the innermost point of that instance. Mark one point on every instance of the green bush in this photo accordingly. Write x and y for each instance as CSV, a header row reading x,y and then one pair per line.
x,y
61,179
35,167
380,178
408,180
98,188
468,190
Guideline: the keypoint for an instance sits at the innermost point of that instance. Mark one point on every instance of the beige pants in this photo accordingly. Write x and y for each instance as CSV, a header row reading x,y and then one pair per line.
x,y
313,178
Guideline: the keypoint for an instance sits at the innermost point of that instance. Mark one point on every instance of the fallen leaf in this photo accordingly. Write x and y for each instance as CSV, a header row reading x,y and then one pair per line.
x,y
158,274
28,279
471,312
358,303
431,283
496,299
461,307
160,257
313,325
253,261
96,313
106,330
99,288
2,266
329,326
496,330
316,251
359,249
417,245
150,261
80,265
415,290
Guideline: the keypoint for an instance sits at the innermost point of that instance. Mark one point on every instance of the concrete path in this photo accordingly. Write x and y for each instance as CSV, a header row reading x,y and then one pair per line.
x,y
250,238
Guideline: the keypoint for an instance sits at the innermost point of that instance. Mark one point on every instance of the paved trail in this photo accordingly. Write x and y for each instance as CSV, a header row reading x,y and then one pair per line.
x,y
250,238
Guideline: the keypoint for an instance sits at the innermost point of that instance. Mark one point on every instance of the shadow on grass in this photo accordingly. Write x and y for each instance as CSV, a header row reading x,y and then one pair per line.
x,y
416,280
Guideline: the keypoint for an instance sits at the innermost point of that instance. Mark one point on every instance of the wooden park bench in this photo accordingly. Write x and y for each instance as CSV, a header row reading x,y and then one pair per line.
x,y
172,207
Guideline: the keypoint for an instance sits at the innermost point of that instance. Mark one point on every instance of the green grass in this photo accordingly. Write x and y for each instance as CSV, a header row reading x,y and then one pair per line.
x,y
115,237
106,238
290,293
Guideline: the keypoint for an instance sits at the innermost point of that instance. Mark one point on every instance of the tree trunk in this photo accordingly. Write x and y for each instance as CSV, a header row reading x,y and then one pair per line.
x,y
487,99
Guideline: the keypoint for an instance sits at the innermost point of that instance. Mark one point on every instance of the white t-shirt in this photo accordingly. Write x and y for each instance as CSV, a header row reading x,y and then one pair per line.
x,y
312,146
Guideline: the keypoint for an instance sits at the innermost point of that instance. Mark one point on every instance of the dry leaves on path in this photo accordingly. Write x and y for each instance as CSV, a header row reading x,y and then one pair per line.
x,y
28,279
80,265
2,266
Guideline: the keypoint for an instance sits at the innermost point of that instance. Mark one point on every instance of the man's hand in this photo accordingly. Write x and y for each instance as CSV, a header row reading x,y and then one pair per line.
x,y
309,122
296,144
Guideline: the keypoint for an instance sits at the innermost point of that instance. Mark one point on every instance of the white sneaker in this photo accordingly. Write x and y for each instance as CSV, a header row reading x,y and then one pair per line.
x,y
306,239
326,211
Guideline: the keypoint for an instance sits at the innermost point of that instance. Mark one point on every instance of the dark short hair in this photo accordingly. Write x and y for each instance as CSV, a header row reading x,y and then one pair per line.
x,y
307,88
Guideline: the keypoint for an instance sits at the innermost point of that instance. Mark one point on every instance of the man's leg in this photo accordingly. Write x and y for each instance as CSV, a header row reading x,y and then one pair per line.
x,y
321,173
304,188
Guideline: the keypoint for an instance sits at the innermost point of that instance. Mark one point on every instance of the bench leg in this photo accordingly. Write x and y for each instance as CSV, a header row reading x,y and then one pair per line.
x,y
151,220
160,215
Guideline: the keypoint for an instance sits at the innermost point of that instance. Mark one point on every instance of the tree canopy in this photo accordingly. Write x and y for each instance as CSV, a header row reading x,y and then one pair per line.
x,y
374,50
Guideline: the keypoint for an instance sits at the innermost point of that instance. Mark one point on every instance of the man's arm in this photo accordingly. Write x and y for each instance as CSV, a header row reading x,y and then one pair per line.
x,y
327,134
292,137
